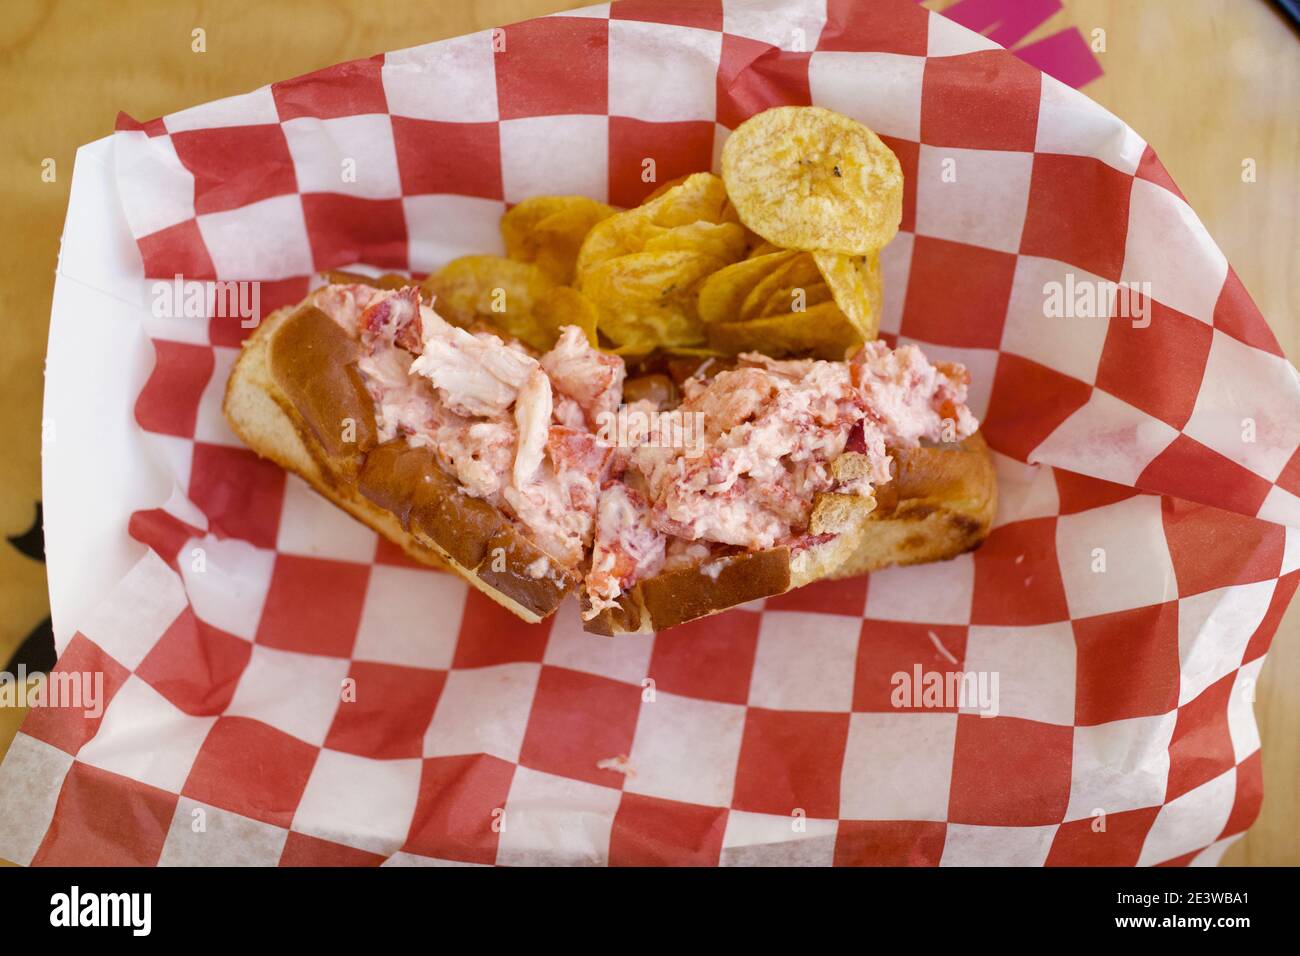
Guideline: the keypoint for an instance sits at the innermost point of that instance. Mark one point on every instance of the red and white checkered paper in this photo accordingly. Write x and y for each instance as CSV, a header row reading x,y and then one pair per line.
x,y
764,735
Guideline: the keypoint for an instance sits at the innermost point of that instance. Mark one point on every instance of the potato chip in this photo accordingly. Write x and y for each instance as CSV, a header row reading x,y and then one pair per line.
x,y
795,298
799,271
561,306
701,197
664,187
855,283
722,240
723,293
649,297
822,332
808,178
489,289
549,230
520,223
559,238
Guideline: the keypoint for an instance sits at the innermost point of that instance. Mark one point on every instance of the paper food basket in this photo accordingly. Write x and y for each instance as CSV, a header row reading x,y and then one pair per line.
x,y
1144,552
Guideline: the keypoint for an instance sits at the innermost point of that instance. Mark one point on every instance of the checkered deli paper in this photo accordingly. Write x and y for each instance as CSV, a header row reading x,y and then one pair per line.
x,y
1145,549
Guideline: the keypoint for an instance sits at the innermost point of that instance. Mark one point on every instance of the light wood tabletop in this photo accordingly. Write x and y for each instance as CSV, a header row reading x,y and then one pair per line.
x,y
1208,83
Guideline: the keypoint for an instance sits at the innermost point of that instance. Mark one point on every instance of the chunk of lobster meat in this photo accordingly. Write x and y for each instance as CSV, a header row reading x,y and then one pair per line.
x,y
404,403
950,400
909,399
580,463
728,399
533,420
684,553
792,369
567,412
392,318
474,374
480,454
738,516
627,547
592,378
344,303
544,508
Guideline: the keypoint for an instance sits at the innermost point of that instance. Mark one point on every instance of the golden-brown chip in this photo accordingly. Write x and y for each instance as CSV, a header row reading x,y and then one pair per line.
x,y
549,230
489,289
795,298
649,297
855,283
808,178
561,306
664,187
519,225
821,332
700,197
722,240
723,293
797,272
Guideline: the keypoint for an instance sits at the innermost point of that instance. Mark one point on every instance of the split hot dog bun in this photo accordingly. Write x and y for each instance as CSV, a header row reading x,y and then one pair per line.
x,y
299,396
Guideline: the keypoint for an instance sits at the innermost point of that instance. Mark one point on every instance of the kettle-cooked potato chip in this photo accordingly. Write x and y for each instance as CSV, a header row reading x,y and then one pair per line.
x,y
561,306
549,230
808,178
855,283
795,298
635,351
664,187
701,197
723,293
798,272
763,248
693,351
822,332
500,292
649,297
723,240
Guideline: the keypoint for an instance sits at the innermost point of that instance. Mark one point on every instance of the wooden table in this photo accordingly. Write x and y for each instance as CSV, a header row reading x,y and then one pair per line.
x,y
1206,82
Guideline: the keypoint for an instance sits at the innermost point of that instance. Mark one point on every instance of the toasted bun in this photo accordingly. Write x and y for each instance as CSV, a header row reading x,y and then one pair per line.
x,y
939,504
296,398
